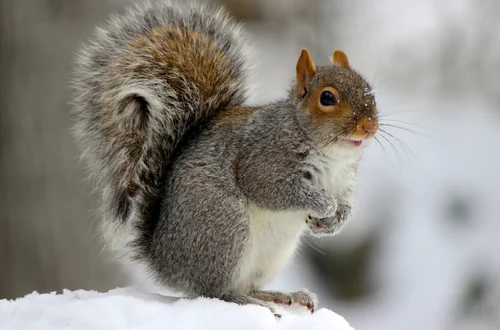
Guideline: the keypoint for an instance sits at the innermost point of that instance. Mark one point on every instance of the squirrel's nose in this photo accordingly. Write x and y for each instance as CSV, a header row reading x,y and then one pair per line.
x,y
367,126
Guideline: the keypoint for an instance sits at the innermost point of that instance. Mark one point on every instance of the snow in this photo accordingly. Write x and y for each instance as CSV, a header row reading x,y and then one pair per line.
x,y
128,308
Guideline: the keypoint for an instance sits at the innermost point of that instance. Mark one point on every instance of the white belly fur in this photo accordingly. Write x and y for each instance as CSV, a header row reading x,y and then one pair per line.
x,y
274,236
273,239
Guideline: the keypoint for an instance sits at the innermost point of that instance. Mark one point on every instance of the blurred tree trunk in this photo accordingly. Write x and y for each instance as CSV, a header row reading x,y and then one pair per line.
x,y
47,241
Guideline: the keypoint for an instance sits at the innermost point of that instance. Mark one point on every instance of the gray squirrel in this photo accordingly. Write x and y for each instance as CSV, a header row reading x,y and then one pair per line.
x,y
201,193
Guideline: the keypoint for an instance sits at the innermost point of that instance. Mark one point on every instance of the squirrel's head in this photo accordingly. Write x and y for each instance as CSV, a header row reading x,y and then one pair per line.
x,y
335,104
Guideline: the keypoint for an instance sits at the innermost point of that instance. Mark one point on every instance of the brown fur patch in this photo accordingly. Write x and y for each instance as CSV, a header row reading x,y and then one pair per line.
x,y
236,163
184,59
235,115
180,55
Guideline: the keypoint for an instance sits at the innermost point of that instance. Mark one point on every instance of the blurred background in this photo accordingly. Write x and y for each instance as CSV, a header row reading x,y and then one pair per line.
x,y
423,249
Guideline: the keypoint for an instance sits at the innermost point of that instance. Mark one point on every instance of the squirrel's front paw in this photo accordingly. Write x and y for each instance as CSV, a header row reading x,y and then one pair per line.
x,y
325,206
329,225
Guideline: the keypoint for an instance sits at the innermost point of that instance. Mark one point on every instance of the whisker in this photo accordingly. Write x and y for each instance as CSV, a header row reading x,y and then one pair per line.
x,y
315,248
375,76
394,113
334,136
408,159
404,146
401,142
329,138
386,155
398,156
409,123
412,131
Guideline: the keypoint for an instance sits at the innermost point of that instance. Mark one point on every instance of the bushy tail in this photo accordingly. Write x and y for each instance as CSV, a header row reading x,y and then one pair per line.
x,y
146,79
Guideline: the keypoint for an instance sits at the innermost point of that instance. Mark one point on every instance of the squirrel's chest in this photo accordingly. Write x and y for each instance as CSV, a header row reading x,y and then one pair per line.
x,y
272,241
334,170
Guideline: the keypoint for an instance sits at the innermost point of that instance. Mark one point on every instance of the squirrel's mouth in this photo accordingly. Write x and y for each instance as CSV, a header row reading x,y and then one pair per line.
x,y
352,143
356,143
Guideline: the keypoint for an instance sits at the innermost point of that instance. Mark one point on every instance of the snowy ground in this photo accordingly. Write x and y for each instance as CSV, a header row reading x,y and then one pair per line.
x,y
128,308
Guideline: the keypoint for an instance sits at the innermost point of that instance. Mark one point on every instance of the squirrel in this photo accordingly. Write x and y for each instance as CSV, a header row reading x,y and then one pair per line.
x,y
202,193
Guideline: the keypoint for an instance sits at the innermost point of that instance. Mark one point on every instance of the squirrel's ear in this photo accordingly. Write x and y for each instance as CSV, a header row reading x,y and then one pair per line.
x,y
305,71
339,58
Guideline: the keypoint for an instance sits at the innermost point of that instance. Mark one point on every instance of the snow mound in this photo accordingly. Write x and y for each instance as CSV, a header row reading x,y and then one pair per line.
x,y
128,308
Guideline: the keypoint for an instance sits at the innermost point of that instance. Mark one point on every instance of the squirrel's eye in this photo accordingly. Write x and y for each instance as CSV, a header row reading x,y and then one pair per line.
x,y
327,98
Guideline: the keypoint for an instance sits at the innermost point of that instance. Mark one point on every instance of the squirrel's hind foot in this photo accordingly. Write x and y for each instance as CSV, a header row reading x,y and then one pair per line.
x,y
248,300
302,297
